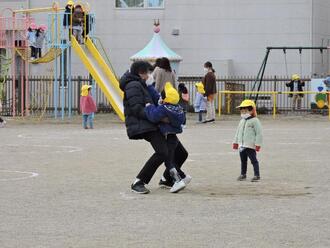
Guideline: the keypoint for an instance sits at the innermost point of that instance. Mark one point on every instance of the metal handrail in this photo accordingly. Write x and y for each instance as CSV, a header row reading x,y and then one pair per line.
x,y
105,54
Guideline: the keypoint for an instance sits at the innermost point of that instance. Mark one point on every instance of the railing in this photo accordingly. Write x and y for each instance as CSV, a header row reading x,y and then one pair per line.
x,y
246,84
226,105
42,96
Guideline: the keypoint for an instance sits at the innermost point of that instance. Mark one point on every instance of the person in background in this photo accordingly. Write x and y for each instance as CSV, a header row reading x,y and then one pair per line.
x,y
2,121
69,8
31,37
327,88
296,85
87,106
157,63
184,99
200,101
78,23
248,139
163,74
209,82
40,38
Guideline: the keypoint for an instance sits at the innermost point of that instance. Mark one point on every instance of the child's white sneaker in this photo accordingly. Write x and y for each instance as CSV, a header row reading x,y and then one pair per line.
x,y
187,179
177,186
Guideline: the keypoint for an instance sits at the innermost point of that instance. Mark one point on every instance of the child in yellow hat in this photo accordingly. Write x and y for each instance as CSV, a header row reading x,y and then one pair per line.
x,y
248,139
200,101
170,116
87,106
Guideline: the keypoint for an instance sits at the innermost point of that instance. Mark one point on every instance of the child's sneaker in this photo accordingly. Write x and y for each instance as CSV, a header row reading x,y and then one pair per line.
x,y
177,186
241,178
187,179
255,179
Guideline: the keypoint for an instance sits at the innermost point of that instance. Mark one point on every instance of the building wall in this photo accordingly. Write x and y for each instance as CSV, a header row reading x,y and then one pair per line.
x,y
321,36
233,34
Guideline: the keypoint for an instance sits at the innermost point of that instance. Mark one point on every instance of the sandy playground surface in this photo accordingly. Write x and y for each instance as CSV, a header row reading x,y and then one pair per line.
x,y
62,186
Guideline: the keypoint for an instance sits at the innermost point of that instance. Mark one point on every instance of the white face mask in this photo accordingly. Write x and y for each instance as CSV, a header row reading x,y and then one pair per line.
x,y
245,116
150,80
206,70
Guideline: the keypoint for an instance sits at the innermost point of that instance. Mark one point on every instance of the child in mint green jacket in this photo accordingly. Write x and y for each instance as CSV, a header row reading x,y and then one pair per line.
x,y
248,139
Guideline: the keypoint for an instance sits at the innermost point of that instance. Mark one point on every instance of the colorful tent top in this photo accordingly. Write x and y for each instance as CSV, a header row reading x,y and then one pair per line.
x,y
156,48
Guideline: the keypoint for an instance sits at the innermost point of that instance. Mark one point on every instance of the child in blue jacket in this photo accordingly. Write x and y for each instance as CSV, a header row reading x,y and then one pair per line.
x,y
200,101
174,115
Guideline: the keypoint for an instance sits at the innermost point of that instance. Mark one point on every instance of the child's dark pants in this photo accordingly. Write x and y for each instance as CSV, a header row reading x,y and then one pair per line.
x,y
252,155
200,115
178,153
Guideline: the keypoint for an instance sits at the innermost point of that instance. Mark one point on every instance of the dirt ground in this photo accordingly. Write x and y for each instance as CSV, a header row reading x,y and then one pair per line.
x,y
62,186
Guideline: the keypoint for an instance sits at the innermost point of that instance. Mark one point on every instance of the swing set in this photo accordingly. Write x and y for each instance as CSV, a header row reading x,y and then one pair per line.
x,y
258,82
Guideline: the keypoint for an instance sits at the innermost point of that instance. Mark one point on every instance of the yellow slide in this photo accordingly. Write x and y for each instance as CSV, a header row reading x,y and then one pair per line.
x,y
101,73
49,56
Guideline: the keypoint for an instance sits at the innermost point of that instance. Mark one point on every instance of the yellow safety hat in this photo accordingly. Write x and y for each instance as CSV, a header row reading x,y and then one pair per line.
x,y
70,2
247,103
171,94
295,77
84,90
200,87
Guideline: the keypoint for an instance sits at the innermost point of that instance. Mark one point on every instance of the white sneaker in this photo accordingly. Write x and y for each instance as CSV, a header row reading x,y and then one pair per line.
x,y
177,186
2,124
187,179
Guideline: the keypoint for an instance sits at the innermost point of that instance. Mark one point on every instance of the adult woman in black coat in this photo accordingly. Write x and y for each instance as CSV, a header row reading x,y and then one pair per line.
x,y
136,96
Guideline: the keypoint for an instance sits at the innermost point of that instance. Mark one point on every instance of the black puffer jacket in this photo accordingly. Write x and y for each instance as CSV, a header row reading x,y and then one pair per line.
x,y
135,98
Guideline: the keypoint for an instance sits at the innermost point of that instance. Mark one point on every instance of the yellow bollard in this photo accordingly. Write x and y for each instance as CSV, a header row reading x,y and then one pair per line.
x,y
219,103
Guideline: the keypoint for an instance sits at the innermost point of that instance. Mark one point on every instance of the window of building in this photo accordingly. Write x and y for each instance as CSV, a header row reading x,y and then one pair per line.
x,y
155,3
139,4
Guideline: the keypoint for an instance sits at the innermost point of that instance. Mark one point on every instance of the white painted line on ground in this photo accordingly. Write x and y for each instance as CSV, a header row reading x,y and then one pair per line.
x,y
30,175
65,149
38,137
126,196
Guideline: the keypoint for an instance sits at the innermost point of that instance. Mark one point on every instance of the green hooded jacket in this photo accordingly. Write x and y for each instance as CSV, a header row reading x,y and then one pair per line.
x,y
249,133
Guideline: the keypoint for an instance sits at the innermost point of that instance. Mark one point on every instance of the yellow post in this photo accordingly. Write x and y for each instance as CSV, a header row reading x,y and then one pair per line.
x,y
274,105
219,103
228,103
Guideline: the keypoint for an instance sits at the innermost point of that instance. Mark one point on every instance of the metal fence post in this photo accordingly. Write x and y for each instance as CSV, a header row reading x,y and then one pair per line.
x,y
78,92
